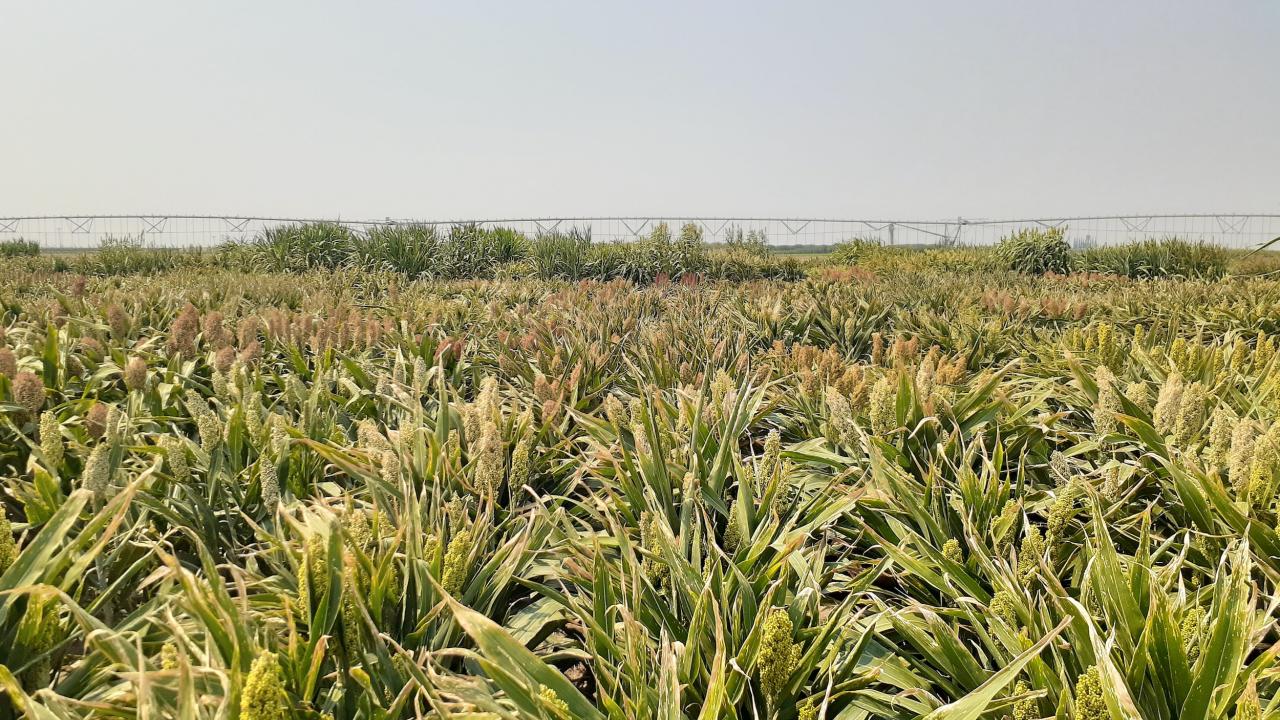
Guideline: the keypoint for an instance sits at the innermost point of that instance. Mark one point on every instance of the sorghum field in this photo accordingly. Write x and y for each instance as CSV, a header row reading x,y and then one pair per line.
x,y
291,480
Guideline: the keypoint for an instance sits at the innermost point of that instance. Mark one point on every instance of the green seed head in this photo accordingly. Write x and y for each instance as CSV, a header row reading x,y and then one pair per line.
x,y
1002,606
169,656
314,576
1029,554
1190,630
655,568
175,453
457,562
552,703
51,438
1089,700
1062,511
951,550
1109,404
1024,709
264,697
8,547
884,413
778,654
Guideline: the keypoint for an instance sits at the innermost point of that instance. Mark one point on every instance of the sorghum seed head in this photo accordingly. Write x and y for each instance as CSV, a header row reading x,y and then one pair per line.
x,y
552,703
51,438
8,547
269,481
1024,709
135,373
1190,417
1109,405
1139,394
264,696
8,362
1190,630
1029,554
1168,402
28,391
952,551
884,413
96,421
457,562
1002,607
778,654
1089,701
224,358
118,321
97,471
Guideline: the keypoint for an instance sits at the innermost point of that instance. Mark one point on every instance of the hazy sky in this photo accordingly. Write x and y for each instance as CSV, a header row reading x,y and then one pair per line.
x,y
485,109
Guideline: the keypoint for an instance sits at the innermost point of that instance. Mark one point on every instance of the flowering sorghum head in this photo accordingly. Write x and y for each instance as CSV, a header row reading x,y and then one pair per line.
x,y
1024,709
457,562
175,453
1004,526
952,551
490,463
208,425
1240,460
269,482
884,413
264,697
1089,701
770,461
1190,418
1029,554
613,411
8,362
314,573
51,438
840,416
1221,426
1168,403
28,391
97,471
169,656
1002,607
520,459
8,547
1190,630
135,373
1139,394
1062,510
1109,404
651,533
553,704
778,654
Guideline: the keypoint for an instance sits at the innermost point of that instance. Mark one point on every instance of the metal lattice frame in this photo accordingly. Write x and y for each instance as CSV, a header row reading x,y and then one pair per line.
x,y
1237,230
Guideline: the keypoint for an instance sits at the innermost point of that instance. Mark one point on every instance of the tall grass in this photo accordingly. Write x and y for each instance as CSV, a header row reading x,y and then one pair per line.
x,y
19,248
1164,258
